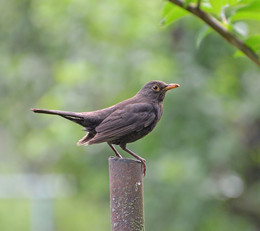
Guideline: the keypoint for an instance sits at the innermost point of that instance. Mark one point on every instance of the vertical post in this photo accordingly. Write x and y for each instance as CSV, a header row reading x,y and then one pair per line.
x,y
126,194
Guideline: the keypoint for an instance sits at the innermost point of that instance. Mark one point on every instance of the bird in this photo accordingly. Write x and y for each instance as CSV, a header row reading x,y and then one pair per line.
x,y
122,123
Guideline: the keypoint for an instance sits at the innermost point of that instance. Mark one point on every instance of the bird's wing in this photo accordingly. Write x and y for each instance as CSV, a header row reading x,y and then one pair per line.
x,y
133,117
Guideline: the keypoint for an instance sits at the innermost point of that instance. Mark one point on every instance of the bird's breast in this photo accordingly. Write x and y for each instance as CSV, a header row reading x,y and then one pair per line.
x,y
159,110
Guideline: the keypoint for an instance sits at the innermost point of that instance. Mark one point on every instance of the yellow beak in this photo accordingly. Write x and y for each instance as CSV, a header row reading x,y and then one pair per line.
x,y
171,86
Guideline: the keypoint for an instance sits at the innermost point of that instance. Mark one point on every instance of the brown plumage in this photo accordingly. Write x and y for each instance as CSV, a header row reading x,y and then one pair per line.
x,y
124,122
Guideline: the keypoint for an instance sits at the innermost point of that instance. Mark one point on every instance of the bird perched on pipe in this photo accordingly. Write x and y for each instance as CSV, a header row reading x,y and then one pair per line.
x,y
124,122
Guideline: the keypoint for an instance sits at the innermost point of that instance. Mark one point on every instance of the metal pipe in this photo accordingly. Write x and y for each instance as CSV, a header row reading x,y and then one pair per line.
x,y
126,194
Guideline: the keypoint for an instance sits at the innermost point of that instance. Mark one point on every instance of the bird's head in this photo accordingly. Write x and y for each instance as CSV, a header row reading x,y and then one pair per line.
x,y
156,90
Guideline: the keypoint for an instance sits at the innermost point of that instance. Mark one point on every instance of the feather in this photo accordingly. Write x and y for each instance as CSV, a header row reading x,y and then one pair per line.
x,y
132,118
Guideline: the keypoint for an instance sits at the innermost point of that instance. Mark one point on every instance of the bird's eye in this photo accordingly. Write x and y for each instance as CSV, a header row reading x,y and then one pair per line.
x,y
156,88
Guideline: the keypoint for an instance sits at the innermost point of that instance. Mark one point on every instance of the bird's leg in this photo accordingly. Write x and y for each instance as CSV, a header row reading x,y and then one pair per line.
x,y
136,156
116,152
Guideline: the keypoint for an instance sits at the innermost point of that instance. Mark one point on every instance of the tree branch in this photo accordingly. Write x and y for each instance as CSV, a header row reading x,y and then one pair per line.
x,y
216,25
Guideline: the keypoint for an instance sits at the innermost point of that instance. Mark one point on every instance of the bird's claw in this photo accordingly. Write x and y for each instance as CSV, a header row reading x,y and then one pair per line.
x,y
143,166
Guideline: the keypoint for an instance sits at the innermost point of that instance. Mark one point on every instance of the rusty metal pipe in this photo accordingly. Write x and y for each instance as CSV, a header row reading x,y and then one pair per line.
x,y
126,194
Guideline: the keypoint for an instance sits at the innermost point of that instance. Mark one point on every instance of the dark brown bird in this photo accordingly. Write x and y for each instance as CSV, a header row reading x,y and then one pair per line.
x,y
124,122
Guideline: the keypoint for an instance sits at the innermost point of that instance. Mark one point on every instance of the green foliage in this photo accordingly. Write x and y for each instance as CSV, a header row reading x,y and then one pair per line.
x,y
227,12
203,158
204,31
248,11
171,13
254,42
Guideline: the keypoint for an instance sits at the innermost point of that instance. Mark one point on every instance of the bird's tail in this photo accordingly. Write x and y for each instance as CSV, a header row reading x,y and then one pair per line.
x,y
73,116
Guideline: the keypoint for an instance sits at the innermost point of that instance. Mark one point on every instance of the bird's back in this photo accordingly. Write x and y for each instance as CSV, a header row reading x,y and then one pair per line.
x,y
129,121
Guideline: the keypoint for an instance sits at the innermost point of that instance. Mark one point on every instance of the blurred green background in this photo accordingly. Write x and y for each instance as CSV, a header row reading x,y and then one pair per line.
x,y
203,158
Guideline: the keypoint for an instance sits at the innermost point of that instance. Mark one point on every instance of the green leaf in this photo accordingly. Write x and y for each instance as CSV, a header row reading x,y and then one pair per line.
x,y
202,34
207,8
168,6
253,42
217,5
232,2
246,1
250,11
253,7
245,15
172,13
187,2
220,6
